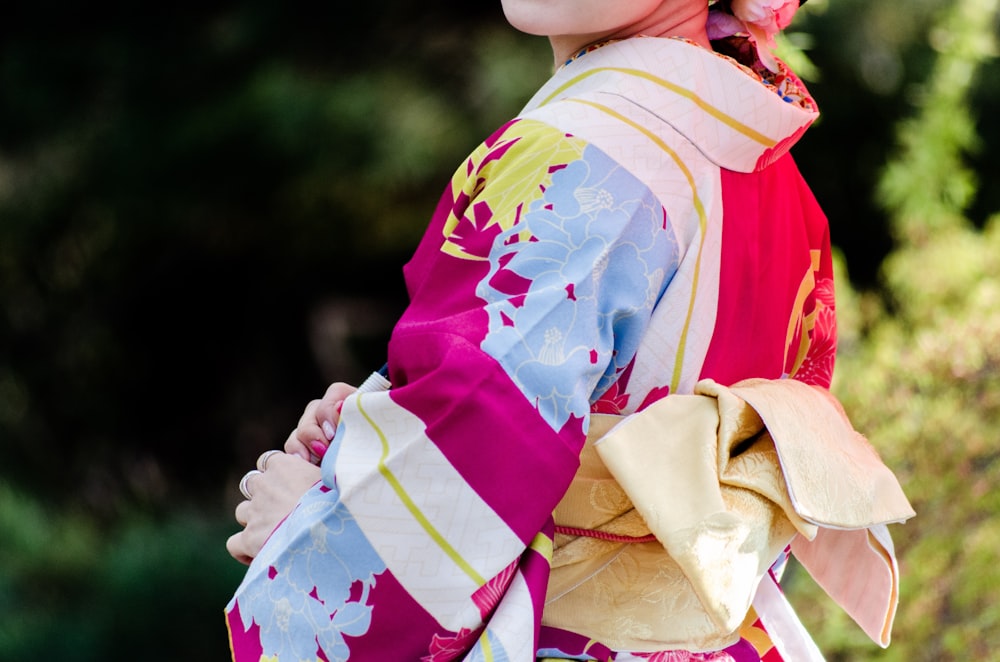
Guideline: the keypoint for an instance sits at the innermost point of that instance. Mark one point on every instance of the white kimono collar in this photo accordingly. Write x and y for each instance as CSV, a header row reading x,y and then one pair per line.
x,y
736,120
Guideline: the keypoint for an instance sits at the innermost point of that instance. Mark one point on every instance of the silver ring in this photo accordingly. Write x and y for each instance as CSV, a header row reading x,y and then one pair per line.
x,y
243,483
264,457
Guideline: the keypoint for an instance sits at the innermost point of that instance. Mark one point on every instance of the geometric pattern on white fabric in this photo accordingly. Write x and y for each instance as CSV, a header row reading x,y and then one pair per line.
x,y
732,117
433,531
681,325
511,620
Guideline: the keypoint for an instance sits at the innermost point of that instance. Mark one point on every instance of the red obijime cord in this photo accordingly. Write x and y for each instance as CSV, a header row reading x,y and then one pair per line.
x,y
602,535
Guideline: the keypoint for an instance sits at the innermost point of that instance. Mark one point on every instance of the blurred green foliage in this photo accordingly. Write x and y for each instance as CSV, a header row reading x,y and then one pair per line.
x,y
919,368
203,214
150,589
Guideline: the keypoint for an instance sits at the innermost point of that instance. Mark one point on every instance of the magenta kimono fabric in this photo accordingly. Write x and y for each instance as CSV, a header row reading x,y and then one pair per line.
x,y
589,256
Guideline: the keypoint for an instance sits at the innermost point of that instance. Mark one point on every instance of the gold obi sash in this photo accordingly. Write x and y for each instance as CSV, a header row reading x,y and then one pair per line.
x,y
683,507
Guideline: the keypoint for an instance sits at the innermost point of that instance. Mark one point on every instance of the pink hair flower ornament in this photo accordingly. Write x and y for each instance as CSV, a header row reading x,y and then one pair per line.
x,y
761,20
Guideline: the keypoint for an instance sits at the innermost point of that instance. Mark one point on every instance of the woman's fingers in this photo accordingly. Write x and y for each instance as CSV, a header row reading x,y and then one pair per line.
x,y
280,479
318,424
307,431
295,447
236,548
241,512
271,495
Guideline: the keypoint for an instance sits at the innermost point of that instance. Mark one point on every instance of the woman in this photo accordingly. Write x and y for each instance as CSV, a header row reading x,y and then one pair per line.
x,y
636,240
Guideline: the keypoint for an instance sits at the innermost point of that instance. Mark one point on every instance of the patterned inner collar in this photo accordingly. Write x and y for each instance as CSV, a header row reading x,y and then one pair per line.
x,y
742,52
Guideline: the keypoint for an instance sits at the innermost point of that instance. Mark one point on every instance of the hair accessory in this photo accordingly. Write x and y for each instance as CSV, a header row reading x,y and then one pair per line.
x,y
760,20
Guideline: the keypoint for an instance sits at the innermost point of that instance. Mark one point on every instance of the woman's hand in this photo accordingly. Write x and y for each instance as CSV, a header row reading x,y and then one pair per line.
x,y
272,492
318,424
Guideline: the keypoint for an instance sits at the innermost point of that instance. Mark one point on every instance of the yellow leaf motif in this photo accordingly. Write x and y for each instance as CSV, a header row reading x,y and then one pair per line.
x,y
800,321
518,166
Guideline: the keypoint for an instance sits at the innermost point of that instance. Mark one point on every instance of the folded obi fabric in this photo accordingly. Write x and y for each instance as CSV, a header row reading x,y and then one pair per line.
x,y
678,511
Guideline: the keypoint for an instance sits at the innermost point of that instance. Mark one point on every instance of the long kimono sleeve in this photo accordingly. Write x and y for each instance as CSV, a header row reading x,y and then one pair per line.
x,y
429,535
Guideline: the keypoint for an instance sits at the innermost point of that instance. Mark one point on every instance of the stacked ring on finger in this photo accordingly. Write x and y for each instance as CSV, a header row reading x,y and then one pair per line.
x,y
244,487
264,457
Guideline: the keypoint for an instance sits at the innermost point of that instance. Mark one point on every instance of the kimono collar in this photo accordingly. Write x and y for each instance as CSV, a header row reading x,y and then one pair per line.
x,y
735,118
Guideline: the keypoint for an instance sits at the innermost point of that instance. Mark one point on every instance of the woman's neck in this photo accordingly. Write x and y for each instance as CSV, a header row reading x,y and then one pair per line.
x,y
666,23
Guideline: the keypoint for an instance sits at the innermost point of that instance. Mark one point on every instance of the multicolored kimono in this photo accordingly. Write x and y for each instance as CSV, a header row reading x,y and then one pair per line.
x,y
637,228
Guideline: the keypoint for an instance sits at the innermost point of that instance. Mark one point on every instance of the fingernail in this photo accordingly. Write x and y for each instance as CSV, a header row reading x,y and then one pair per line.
x,y
329,430
339,406
319,448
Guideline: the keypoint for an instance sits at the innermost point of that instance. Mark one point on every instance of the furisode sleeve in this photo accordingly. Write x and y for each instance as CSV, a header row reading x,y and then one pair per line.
x,y
529,295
